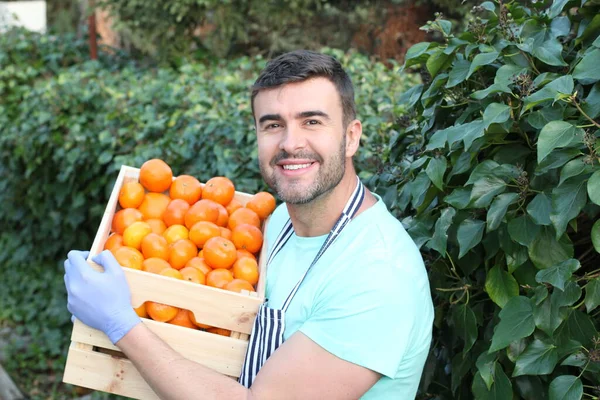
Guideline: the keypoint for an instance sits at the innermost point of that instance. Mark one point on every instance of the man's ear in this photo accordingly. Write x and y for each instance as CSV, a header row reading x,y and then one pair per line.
x,y
353,135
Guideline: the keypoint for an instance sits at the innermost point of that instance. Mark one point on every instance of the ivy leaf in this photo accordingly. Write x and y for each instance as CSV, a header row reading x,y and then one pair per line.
x,y
556,8
539,209
545,251
440,237
592,295
550,52
435,170
466,132
495,113
459,198
563,85
558,274
553,311
593,188
501,389
465,322
539,358
469,234
580,327
419,188
588,69
436,61
566,387
595,234
482,170
460,366
568,200
411,96
573,168
480,60
485,189
458,73
556,159
500,286
523,230
592,102
498,208
516,322
556,134
486,365
488,5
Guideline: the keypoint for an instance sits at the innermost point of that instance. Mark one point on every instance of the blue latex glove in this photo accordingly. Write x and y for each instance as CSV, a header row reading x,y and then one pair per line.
x,y
101,300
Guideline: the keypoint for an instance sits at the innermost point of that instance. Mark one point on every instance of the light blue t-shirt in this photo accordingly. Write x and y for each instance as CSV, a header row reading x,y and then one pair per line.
x,y
367,300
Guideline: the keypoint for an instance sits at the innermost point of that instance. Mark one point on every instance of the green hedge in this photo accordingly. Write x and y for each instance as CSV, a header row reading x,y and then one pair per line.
x,y
65,130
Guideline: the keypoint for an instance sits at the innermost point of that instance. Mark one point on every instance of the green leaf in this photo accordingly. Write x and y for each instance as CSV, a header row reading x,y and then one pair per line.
x,y
592,295
469,234
488,5
545,251
588,69
465,323
486,365
523,230
550,52
593,187
558,274
458,73
482,170
539,209
539,358
419,188
516,322
416,50
500,286
595,234
460,367
553,311
566,387
591,106
568,200
436,61
459,198
557,134
411,96
556,159
500,390
466,132
560,26
556,8
480,60
498,208
435,170
485,189
440,237
495,113
580,327
563,85
573,168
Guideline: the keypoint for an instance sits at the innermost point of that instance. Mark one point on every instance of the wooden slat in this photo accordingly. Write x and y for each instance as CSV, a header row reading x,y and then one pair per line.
x,y
220,353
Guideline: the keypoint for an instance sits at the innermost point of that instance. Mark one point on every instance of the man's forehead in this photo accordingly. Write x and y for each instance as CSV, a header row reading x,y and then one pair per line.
x,y
313,93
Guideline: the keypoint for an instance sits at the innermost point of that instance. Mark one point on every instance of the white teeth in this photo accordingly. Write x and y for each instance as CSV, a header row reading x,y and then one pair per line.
x,y
296,166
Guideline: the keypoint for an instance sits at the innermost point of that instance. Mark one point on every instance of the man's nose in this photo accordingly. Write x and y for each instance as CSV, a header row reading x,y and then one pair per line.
x,y
293,139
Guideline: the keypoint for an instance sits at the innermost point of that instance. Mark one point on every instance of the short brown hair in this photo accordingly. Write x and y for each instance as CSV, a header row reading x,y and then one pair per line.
x,y
301,65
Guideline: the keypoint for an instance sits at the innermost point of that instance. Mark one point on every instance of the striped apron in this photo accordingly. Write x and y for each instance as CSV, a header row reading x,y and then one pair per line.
x,y
269,325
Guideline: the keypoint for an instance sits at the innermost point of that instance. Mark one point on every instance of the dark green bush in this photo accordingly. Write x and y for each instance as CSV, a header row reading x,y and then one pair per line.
x,y
495,173
66,131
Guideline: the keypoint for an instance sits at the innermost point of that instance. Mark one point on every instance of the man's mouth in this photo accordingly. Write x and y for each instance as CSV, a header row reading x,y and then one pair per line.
x,y
291,167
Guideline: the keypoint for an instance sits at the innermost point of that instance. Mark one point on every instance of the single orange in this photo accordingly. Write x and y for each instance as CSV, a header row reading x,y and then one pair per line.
x,y
181,252
198,324
219,278
219,331
241,253
199,264
203,210
201,231
247,237
187,188
141,311
129,257
246,269
113,242
225,232
155,265
156,175
175,233
154,205
219,189
158,226
125,217
262,203
175,212
232,206
237,285
135,233
131,195
171,273
192,274
161,312
219,252
154,245
243,216
183,319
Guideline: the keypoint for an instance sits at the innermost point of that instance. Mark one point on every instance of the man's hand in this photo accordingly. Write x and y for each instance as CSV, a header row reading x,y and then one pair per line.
x,y
101,300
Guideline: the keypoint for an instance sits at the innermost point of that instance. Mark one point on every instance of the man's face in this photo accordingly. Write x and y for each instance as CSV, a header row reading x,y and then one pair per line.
x,y
301,139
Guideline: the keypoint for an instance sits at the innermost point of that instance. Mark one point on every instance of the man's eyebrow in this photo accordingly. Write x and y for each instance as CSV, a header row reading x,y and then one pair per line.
x,y
315,113
269,117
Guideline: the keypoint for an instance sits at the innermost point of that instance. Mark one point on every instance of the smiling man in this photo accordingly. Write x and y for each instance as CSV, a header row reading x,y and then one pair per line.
x,y
348,312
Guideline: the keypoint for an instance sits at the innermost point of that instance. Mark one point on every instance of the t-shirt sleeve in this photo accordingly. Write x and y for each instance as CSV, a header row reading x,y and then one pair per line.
x,y
373,316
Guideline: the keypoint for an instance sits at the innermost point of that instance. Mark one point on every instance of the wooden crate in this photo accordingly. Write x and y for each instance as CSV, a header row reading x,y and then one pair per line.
x,y
94,362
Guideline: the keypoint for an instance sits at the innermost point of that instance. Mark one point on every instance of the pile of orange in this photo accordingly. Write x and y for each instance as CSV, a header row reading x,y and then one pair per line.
x,y
180,228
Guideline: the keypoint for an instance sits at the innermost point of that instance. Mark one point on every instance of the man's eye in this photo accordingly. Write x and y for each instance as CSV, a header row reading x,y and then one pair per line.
x,y
273,126
312,122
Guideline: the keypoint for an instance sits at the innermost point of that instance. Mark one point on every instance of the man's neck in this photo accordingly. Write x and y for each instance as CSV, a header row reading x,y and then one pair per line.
x,y
318,217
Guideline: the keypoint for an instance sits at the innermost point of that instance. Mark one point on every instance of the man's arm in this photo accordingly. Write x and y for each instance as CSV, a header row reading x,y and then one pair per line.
x,y
299,369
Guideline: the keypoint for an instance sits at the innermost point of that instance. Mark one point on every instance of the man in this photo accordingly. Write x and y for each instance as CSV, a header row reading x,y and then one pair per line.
x,y
349,311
